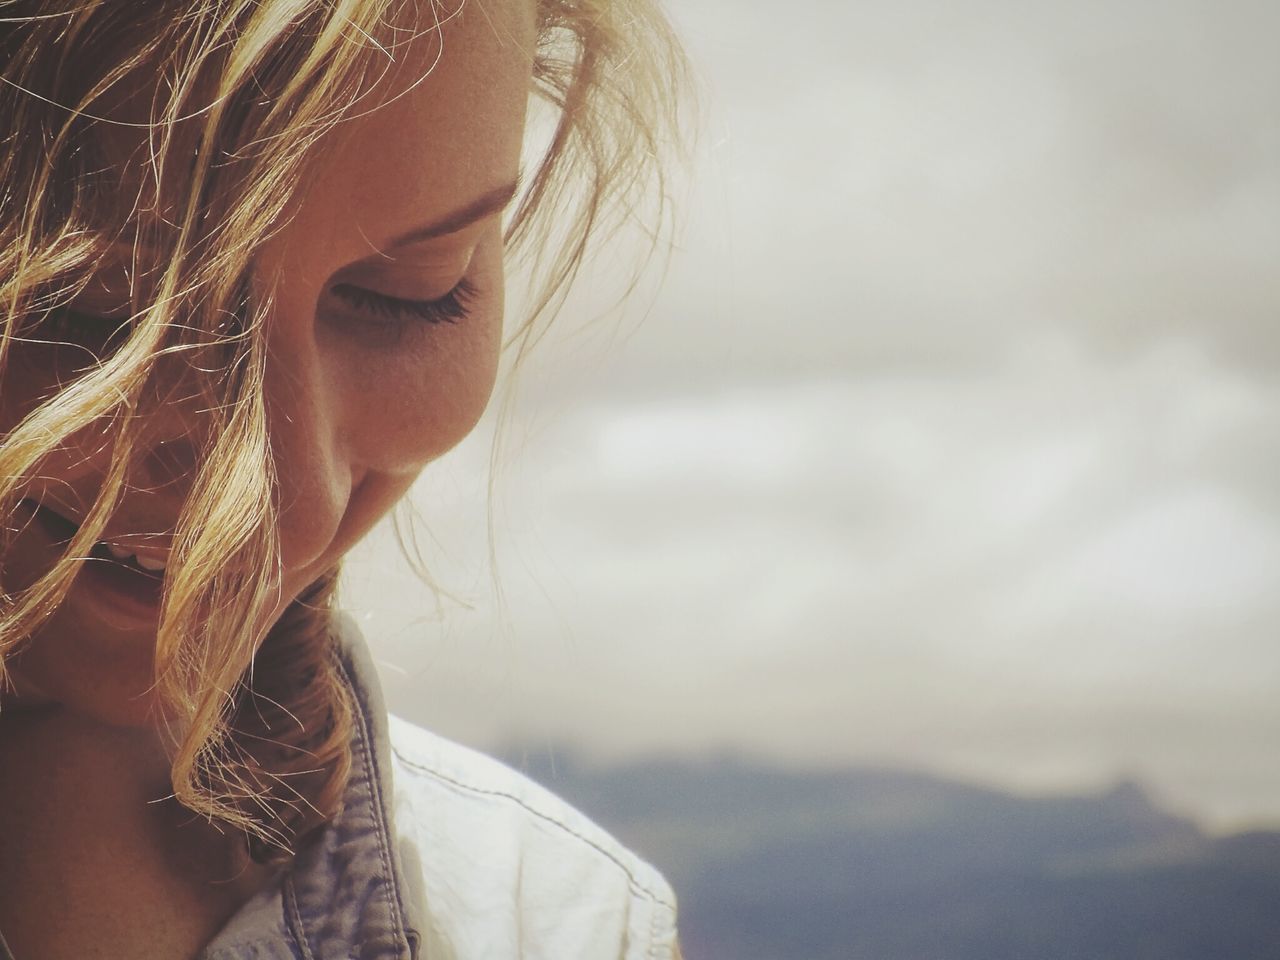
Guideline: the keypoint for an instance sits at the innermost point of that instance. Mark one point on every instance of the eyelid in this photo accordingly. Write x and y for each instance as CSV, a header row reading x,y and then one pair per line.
x,y
112,312
450,308
448,255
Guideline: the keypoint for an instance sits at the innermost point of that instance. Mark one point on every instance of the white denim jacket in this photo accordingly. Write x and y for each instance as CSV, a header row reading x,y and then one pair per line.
x,y
442,853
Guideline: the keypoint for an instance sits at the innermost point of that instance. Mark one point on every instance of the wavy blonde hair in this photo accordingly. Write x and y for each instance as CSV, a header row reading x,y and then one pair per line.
x,y
242,92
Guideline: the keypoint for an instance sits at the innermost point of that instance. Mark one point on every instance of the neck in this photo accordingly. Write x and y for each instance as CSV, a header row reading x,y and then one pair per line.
x,y
93,845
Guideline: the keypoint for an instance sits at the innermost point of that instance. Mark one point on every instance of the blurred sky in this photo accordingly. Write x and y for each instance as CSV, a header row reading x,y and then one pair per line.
x,y
951,441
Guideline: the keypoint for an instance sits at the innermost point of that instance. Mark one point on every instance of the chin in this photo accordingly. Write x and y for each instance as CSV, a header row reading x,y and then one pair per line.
x,y
98,672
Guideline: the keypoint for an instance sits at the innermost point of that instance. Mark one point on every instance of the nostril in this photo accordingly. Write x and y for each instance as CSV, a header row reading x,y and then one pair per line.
x,y
172,460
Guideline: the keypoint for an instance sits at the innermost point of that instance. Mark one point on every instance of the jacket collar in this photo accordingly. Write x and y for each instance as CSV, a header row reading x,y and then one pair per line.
x,y
345,896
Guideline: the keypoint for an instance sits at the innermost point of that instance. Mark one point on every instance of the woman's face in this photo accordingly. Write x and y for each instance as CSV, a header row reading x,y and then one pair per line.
x,y
383,342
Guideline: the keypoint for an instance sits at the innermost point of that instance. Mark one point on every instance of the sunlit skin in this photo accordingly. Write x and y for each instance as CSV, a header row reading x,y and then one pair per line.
x,y
356,407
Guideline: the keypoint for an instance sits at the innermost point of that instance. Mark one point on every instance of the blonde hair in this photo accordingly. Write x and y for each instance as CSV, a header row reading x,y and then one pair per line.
x,y
243,90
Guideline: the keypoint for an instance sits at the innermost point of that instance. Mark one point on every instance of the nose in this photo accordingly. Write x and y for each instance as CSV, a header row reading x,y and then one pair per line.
x,y
170,442
166,463
316,467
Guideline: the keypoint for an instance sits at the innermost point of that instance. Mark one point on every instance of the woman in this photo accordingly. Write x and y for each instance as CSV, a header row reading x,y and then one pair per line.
x,y
251,276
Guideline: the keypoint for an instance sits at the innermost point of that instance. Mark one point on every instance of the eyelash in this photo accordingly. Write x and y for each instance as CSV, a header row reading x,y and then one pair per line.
x,y
62,323
453,307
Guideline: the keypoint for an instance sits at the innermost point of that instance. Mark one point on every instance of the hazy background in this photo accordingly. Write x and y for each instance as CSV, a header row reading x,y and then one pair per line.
x,y
951,441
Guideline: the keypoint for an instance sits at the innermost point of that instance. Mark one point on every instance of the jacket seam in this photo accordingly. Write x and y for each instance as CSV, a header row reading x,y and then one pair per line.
x,y
294,917
375,788
632,881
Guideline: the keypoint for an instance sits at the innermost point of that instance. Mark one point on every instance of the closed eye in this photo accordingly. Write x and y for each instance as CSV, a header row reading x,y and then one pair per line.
x,y
96,334
451,308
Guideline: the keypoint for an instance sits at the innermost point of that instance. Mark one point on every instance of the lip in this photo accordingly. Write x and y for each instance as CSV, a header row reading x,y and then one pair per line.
x,y
64,521
117,593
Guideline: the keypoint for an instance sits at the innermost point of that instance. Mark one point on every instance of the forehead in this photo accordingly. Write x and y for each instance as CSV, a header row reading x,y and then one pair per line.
x,y
445,126
440,122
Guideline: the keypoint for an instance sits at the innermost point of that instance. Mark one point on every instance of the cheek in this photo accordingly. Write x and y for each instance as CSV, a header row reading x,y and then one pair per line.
x,y
413,397
405,405
354,419
71,472
33,373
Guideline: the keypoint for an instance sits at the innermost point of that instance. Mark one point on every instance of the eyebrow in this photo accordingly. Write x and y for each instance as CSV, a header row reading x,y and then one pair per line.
x,y
482,206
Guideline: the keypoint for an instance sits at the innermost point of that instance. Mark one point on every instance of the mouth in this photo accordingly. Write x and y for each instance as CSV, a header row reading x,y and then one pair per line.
x,y
118,583
149,562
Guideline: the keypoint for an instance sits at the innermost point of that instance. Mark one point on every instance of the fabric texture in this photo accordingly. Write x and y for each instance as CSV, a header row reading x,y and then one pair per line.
x,y
441,853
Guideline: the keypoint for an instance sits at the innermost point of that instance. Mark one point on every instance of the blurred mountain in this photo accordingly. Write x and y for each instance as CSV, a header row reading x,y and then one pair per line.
x,y
874,864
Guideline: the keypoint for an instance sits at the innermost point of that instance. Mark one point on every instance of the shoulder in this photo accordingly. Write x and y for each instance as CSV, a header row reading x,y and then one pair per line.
x,y
504,868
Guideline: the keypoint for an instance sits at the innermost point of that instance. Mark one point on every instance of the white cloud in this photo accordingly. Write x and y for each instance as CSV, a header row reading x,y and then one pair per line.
x,y
952,440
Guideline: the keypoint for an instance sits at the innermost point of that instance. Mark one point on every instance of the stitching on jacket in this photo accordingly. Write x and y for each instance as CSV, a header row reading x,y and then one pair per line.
x,y
375,788
658,949
293,916
632,881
